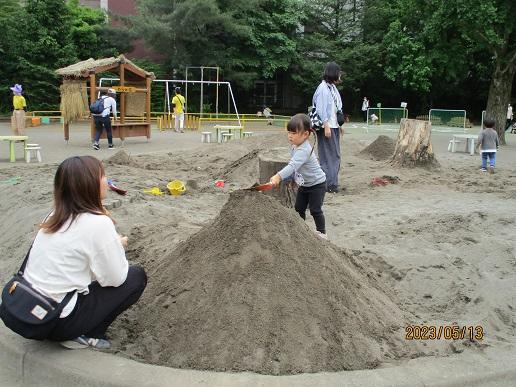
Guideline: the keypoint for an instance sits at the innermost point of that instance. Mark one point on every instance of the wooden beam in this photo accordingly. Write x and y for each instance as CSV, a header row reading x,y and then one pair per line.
x,y
147,99
93,97
122,95
135,71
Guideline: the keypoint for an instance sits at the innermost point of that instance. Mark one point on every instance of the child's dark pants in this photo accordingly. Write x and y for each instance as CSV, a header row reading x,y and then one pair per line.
x,y
313,197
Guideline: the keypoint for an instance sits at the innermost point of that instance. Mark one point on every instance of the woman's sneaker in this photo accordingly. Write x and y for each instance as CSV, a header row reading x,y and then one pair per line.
x,y
96,146
85,342
491,170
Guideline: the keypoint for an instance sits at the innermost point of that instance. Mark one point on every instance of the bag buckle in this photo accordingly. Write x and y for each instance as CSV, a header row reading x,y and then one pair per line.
x,y
13,287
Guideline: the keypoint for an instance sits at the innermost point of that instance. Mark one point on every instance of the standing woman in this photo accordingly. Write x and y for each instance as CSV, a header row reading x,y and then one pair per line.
x,y
78,249
327,102
19,105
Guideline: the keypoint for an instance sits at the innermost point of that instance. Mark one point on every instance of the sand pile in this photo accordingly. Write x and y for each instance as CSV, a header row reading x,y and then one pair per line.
x,y
380,149
121,158
258,290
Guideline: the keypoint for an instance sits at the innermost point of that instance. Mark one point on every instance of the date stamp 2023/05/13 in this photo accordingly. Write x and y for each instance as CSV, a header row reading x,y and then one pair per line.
x,y
444,332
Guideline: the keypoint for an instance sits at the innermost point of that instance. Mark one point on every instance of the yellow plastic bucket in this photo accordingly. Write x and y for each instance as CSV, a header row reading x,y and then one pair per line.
x,y
176,187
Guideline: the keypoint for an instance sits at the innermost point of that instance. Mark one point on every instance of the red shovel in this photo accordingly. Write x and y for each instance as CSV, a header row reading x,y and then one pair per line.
x,y
260,187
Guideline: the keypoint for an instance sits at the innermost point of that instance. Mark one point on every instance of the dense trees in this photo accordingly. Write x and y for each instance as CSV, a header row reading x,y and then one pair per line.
x,y
41,36
430,53
436,45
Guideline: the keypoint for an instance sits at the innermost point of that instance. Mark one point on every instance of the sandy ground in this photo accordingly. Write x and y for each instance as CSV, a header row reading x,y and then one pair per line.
x,y
441,239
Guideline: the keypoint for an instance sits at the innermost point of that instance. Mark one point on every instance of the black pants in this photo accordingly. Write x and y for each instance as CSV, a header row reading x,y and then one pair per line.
x,y
95,311
508,124
103,123
314,197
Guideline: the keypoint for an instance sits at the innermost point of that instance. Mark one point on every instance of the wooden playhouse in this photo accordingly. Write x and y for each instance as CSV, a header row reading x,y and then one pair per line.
x,y
133,95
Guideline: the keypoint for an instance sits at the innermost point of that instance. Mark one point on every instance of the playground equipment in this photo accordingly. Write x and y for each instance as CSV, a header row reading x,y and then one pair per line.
x,y
166,121
386,115
133,82
201,104
448,117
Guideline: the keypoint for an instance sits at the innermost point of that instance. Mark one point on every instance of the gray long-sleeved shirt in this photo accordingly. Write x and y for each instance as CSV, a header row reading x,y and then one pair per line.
x,y
488,140
305,163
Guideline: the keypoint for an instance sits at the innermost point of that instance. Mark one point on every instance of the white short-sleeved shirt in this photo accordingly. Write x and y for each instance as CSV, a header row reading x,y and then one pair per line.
x,y
71,259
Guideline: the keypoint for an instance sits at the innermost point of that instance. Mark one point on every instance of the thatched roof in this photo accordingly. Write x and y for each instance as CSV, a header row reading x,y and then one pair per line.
x,y
84,68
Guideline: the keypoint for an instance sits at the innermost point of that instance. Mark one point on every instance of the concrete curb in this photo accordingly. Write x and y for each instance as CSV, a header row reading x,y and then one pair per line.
x,y
31,363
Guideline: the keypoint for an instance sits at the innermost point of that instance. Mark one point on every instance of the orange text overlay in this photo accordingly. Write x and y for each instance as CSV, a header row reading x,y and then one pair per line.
x,y
444,332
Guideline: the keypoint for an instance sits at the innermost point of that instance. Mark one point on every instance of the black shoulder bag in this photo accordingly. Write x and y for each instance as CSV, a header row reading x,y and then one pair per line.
x,y
26,311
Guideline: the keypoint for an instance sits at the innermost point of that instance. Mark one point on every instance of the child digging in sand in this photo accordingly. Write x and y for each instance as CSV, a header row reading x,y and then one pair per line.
x,y
306,172
488,144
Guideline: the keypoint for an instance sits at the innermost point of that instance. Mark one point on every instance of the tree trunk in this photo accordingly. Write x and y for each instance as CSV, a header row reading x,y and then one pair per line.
x,y
413,147
271,162
499,97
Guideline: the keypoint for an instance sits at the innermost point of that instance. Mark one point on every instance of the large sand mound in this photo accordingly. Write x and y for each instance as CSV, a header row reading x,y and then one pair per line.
x,y
380,149
257,290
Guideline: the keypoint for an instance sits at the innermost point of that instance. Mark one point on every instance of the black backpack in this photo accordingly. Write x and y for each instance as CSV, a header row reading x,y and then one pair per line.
x,y
97,107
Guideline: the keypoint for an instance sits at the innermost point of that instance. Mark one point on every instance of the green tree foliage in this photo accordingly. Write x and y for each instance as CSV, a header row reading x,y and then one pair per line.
x,y
248,39
437,46
40,36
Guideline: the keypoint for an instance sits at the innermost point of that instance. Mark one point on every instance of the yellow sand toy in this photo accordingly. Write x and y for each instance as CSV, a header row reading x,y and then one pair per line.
x,y
176,187
153,191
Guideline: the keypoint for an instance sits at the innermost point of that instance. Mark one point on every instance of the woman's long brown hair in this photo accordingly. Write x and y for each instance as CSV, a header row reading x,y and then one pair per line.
x,y
76,191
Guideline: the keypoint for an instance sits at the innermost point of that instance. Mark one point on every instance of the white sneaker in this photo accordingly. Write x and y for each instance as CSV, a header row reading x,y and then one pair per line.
x,y
82,342
321,235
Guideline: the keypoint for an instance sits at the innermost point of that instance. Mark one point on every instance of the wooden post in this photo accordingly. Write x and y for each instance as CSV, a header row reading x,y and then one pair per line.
x,y
148,105
93,97
148,98
270,163
66,127
414,146
122,95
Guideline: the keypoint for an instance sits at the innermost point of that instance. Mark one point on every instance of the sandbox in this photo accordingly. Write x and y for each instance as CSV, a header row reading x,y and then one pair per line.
x,y
435,249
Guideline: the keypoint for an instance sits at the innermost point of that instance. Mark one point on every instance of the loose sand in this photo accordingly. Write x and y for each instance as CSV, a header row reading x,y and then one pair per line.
x,y
233,287
380,149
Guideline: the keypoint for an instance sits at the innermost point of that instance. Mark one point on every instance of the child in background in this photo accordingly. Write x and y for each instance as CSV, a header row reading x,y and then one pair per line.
x,y
488,144
306,171
19,105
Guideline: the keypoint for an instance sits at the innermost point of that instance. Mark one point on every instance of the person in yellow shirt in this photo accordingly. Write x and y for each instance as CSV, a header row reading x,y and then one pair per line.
x,y
179,110
19,105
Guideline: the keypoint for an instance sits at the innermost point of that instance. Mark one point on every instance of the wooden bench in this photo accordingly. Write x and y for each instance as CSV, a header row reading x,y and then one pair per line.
x,y
435,120
459,122
129,129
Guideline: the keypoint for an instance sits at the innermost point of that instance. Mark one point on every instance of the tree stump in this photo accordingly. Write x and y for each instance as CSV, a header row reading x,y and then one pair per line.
x,y
414,146
271,162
